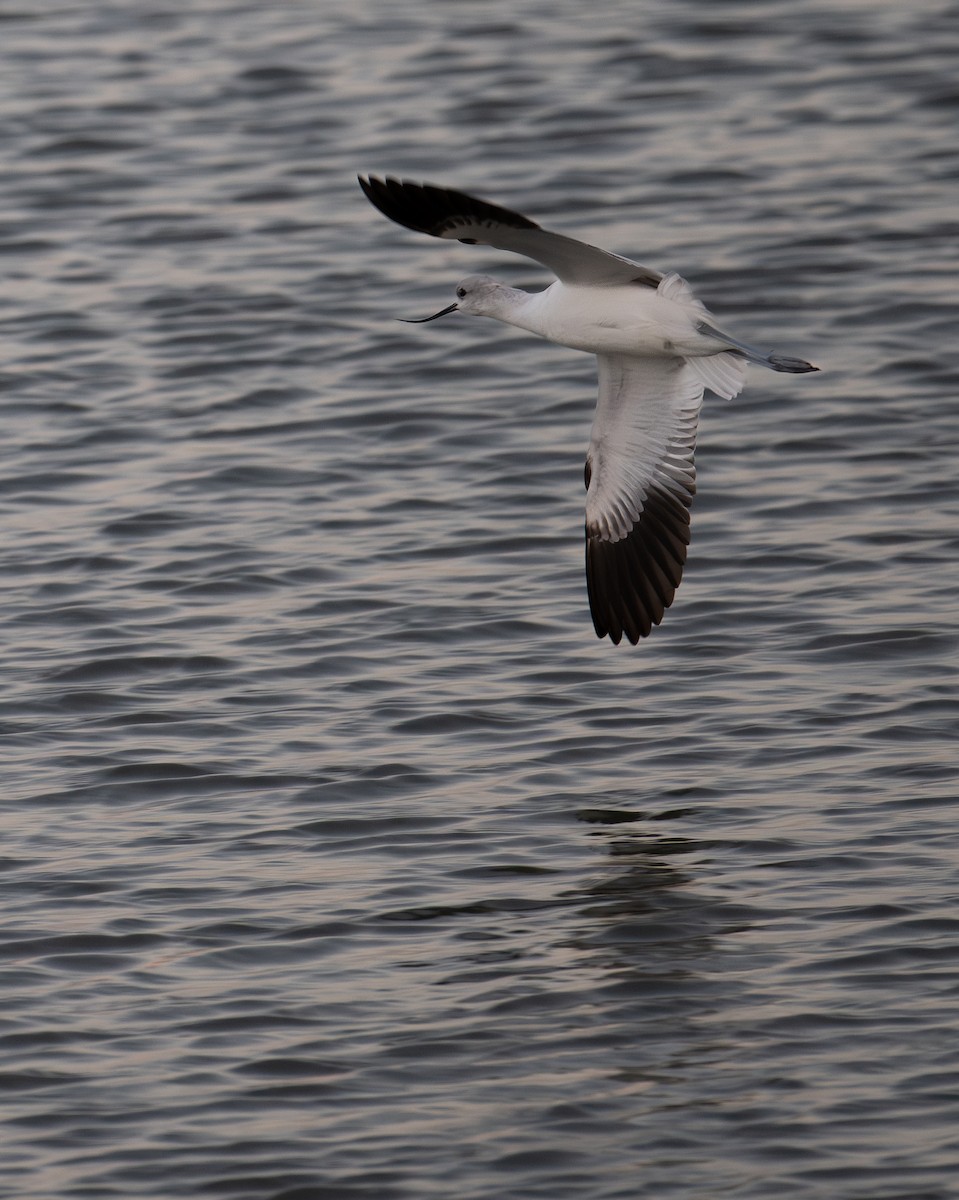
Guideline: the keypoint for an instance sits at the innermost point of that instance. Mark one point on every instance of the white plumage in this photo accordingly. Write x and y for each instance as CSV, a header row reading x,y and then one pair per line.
x,y
657,350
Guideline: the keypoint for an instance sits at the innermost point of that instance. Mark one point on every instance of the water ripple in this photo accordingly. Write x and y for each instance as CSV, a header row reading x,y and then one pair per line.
x,y
340,859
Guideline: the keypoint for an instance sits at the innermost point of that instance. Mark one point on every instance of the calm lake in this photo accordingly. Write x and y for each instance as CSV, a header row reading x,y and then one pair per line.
x,y
340,860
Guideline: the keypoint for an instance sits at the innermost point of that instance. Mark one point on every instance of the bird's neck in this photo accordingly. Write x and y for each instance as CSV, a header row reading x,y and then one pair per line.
x,y
516,307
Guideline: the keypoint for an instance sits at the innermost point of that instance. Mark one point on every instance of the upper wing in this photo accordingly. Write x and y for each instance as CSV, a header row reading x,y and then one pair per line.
x,y
641,481
442,212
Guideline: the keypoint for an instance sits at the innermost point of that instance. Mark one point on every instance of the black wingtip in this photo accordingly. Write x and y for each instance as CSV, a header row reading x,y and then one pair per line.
x,y
426,208
631,582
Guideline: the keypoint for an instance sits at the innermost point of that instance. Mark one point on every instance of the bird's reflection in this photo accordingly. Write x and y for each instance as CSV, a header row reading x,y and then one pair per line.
x,y
649,893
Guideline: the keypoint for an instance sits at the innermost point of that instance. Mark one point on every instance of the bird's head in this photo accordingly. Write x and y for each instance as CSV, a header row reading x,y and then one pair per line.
x,y
478,295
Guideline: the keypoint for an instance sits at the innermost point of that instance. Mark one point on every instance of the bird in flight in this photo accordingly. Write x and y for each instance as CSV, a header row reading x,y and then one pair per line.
x,y
657,349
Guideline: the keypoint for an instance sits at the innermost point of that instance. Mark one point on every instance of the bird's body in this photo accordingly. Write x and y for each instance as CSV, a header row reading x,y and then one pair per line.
x,y
619,319
657,350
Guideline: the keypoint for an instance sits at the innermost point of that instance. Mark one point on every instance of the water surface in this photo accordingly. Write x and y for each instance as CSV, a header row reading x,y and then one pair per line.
x,y
340,860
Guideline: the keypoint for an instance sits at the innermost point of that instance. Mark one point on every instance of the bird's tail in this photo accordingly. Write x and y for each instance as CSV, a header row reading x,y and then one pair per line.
x,y
775,362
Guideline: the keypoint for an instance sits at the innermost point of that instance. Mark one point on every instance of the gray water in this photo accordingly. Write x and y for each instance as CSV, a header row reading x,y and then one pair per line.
x,y
340,859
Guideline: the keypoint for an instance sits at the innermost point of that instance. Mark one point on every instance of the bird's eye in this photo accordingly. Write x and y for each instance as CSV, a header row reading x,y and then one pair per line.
x,y
461,292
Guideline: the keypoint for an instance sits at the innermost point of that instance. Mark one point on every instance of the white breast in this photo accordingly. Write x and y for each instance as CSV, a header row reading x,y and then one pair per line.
x,y
634,320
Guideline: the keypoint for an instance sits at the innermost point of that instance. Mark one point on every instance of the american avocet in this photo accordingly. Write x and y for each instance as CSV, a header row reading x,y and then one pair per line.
x,y
657,349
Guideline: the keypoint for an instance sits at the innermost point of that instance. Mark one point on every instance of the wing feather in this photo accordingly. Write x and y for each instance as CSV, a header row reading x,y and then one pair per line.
x,y
641,479
445,213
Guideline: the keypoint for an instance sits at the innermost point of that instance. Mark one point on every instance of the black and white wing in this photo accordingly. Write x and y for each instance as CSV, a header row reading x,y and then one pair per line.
x,y
442,212
640,481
